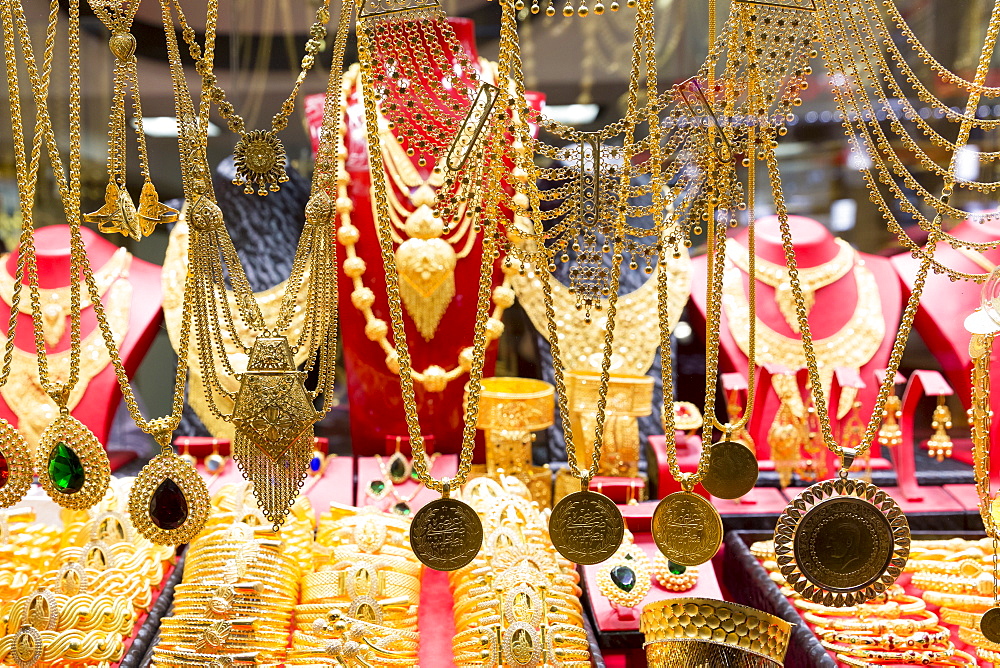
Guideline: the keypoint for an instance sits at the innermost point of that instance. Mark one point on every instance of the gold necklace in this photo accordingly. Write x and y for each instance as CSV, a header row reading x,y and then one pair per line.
x,y
175,263
118,213
168,501
852,346
273,412
637,311
24,392
55,301
433,378
812,278
259,155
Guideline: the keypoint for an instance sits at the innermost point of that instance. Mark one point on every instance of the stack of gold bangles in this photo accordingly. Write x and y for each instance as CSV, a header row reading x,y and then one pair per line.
x,y
27,549
240,586
517,603
360,602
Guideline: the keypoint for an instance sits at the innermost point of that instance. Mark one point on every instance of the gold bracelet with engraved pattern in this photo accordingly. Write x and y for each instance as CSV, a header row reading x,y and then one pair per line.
x,y
937,636
926,620
965,602
957,658
29,646
960,617
54,612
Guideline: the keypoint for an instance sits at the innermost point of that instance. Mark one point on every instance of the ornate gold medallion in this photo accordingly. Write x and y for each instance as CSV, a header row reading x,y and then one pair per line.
x,y
446,534
586,527
169,501
42,610
989,624
522,646
260,158
73,466
16,471
732,470
841,542
118,213
273,416
687,528
426,265
27,647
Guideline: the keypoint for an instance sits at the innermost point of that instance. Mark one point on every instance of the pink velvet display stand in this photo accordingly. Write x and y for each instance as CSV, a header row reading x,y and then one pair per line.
x,y
835,304
944,305
102,397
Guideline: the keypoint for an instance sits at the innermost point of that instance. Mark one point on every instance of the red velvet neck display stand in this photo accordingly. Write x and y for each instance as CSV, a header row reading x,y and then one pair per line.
x,y
103,396
945,304
834,306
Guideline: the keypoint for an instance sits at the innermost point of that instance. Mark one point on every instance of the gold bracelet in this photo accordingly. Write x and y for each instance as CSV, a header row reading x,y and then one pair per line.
x,y
928,620
46,611
960,617
959,601
184,658
891,640
359,580
953,584
973,636
924,657
957,658
30,646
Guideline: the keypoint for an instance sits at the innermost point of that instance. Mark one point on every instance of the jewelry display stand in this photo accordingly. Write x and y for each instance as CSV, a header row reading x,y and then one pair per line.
x,y
376,407
943,309
833,309
102,396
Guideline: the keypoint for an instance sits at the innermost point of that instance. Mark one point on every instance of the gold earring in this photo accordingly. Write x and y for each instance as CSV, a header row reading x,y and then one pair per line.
x,y
399,467
939,446
890,434
624,578
185,454
16,471
169,501
215,462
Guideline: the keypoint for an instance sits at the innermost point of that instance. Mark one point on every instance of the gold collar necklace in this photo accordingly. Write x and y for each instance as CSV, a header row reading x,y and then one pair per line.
x,y
56,301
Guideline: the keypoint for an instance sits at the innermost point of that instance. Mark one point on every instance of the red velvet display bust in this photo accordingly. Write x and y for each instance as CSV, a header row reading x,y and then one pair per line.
x,y
376,407
102,397
945,304
833,308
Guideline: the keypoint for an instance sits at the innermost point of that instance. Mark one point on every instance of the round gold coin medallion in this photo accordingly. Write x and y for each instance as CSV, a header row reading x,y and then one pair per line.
x,y
586,527
990,625
446,534
732,470
841,542
687,528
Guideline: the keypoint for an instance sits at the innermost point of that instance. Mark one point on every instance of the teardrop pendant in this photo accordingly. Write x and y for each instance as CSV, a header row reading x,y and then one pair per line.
x,y
16,471
398,468
169,501
73,466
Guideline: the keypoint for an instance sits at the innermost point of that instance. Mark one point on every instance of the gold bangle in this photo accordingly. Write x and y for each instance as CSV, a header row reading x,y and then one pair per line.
x,y
958,658
29,646
46,611
924,657
363,579
185,658
973,636
959,601
928,620
893,640
960,617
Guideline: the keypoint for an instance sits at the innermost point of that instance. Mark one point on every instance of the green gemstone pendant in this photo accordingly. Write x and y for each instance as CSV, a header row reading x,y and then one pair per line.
x,y
399,468
402,508
624,578
65,469
377,489
676,569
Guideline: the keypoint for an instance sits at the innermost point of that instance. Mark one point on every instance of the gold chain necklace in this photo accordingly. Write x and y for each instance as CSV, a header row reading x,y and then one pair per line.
x,y
273,411
175,263
55,301
259,155
168,501
812,278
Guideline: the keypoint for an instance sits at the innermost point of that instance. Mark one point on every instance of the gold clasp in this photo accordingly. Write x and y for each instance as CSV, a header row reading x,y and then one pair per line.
x,y
446,488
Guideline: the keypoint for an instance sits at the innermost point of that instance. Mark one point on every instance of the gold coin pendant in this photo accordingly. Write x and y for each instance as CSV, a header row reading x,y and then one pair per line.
x,y
732,470
990,625
446,534
687,528
586,527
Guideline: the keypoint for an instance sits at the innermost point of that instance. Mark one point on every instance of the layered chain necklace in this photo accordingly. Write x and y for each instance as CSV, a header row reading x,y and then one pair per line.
x,y
168,502
272,410
425,262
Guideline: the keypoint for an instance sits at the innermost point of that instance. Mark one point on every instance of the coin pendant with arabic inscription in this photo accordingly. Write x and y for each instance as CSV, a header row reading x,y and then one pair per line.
x,y
687,528
586,527
446,534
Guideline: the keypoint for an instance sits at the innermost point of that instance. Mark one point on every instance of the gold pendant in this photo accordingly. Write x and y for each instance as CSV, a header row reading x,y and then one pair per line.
x,y
426,265
73,467
732,470
260,158
118,215
272,419
446,534
841,542
27,647
16,471
169,501
152,212
989,624
522,645
586,527
687,528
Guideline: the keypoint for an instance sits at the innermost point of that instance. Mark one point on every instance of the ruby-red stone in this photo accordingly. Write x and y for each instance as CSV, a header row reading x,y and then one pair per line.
x,y
4,470
167,506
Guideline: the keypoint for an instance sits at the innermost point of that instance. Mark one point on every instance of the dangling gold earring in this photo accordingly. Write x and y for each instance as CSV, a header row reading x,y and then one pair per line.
x,y
16,471
186,454
215,462
939,446
890,434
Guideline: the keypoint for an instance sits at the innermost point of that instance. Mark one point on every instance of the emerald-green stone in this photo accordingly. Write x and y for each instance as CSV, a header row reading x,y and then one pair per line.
x,y
397,468
414,475
402,508
65,470
676,569
376,487
623,577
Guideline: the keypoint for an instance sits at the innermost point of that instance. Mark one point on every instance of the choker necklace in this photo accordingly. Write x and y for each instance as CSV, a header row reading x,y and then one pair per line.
x,y
55,301
433,378
811,278
852,346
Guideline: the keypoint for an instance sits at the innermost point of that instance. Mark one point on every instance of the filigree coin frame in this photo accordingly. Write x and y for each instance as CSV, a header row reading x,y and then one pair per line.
x,y
814,497
192,485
